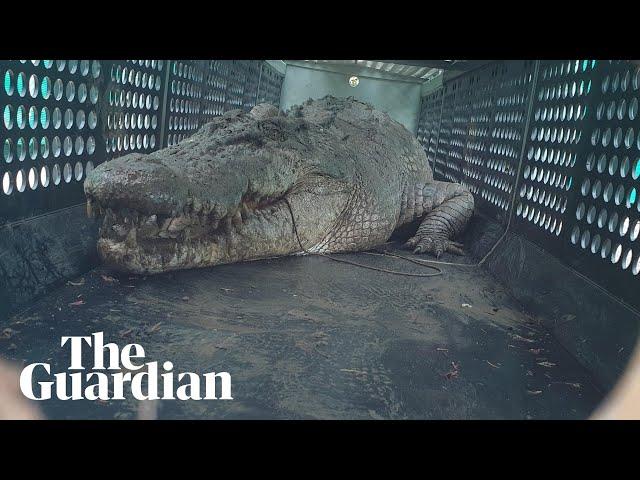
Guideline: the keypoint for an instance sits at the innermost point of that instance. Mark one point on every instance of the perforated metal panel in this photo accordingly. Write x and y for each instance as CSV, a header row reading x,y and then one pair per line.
x,y
251,71
576,195
61,118
270,85
132,111
448,155
580,171
235,87
221,86
50,133
474,108
605,220
200,90
481,132
512,88
184,93
216,79
556,140
429,124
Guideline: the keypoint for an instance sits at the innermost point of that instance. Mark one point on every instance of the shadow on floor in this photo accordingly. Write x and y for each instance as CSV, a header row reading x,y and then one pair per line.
x,y
305,337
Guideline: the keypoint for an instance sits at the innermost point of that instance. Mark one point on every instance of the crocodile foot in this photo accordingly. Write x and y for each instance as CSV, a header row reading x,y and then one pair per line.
x,y
434,246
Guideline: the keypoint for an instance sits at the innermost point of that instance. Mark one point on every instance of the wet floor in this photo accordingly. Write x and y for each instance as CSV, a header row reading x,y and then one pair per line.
x,y
309,338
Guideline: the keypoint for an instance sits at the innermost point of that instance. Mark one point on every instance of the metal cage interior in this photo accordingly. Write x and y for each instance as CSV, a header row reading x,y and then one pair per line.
x,y
549,148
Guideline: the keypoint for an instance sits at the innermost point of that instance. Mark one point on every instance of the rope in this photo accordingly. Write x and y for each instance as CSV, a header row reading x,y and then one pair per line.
x,y
437,272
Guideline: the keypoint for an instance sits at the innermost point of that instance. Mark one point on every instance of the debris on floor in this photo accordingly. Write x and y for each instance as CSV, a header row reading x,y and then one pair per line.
x,y
547,364
345,346
453,373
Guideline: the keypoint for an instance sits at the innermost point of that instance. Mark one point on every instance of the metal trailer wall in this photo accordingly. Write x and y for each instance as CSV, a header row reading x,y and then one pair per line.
x,y
555,142
400,99
61,118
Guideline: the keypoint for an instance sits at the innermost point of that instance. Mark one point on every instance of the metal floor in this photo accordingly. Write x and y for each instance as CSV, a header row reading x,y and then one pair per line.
x,y
308,338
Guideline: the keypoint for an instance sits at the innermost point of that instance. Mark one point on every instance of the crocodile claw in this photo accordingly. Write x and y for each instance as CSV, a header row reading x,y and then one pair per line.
x,y
435,247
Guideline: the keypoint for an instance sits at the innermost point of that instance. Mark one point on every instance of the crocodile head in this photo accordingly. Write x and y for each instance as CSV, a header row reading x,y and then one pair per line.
x,y
224,195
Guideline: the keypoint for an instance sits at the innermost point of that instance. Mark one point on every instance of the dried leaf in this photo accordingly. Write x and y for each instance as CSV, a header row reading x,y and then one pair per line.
x,y
515,336
356,372
453,373
546,364
154,328
571,384
8,333
77,303
109,279
124,333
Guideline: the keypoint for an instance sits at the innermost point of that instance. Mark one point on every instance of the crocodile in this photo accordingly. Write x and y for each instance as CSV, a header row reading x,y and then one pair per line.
x,y
331,175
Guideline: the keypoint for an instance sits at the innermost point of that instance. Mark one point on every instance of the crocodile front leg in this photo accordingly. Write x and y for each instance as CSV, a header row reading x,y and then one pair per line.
x,y
449,207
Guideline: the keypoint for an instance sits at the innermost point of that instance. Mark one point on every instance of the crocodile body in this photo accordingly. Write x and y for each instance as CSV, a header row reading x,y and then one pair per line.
x,y
331,175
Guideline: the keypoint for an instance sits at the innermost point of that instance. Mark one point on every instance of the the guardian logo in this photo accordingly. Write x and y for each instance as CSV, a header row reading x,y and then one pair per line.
x,y
125,367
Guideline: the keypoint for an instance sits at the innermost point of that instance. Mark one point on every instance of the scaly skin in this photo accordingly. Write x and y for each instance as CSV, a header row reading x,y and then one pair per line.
x,y
348,174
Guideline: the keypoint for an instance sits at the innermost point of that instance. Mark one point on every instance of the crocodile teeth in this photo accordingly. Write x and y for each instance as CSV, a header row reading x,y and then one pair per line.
x,y
177,224
165,225
237,219
131,238
245,211
227,224
90,209
150,226
120,230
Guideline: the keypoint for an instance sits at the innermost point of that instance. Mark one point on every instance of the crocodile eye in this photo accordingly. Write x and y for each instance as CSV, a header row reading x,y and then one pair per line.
x,y
354,81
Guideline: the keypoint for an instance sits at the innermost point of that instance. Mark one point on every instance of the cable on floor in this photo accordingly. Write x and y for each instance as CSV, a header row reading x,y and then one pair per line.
x,y
437,271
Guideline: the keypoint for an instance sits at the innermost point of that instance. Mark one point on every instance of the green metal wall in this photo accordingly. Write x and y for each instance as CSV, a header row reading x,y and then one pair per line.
x,y
400,99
